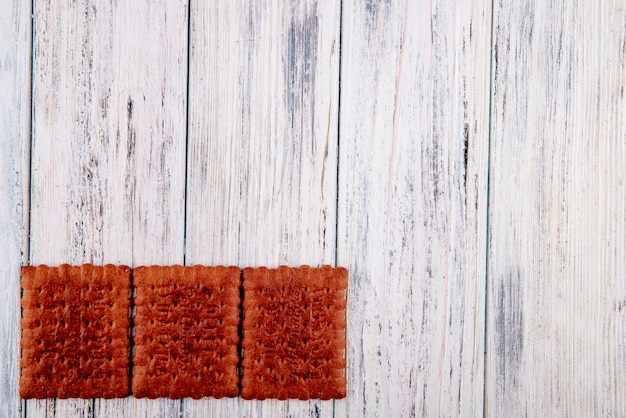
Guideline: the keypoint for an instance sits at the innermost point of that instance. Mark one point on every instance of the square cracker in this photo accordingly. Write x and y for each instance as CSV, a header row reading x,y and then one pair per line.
x,y
186,331
75,340
294,333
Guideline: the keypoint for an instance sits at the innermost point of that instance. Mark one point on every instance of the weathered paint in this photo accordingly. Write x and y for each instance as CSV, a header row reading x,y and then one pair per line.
x,y
262,153
15,59
360,133
108,148
412,205
556,333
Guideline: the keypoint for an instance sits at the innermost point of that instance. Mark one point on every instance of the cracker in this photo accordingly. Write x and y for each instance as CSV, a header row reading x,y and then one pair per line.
x,y
75,340
186,331
294,333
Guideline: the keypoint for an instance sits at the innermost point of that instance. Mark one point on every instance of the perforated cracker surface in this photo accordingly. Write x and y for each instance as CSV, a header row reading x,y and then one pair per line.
x,y
186,331
75,332
294,333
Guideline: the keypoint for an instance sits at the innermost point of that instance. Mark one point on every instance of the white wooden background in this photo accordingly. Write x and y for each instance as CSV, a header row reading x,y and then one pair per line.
x,y
465,160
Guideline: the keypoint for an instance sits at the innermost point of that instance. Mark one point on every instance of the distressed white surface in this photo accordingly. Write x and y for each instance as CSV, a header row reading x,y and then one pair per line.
x,y
108,151
412,205
557,260
280,159
262,156
15,57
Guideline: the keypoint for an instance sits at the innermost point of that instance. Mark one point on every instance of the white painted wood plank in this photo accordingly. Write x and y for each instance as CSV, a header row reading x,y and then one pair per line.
x,y
262,153
412,204
557,284
109,131
15,59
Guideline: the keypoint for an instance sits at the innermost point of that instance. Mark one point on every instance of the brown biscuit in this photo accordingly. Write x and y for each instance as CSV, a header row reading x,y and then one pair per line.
x,y
294,333
186,331
75,340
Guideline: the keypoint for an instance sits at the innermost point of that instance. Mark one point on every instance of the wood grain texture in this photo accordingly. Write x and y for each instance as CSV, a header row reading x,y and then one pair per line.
x,y
15,59
108,154
557,284
262,153
396,190
412,204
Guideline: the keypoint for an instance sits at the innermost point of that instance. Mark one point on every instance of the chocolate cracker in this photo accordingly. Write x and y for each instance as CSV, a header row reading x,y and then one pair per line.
x,y
186,332
75,340
294,333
